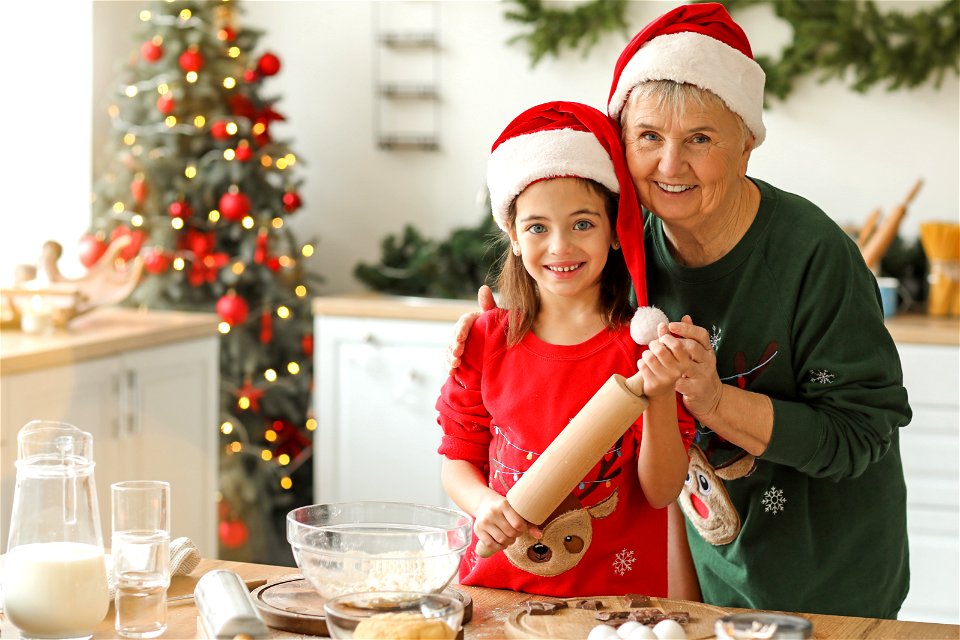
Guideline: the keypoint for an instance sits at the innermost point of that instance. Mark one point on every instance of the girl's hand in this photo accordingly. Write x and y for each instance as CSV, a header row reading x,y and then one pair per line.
x,y
663,363
498,525
700,384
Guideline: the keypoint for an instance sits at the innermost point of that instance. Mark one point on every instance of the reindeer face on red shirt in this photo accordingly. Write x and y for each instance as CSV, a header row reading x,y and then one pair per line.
x,y
567,535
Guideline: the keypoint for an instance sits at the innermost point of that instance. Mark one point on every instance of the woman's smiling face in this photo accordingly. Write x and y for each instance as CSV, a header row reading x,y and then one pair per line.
x,y
562,228
685,162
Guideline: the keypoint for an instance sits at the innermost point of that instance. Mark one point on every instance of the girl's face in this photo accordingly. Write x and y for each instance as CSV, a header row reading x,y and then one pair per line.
x,y
563,231
686,167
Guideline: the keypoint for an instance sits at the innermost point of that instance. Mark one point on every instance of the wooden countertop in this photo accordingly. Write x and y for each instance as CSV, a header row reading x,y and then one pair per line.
x,y
102,332
911,328
491,607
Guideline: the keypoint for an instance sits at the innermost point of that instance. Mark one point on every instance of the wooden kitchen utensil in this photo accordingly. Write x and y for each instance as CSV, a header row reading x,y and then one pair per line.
x,y
581,444
571,622
291,604
879,241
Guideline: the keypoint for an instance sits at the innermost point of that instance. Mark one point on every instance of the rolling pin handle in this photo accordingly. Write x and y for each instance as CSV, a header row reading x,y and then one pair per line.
x,y
484,551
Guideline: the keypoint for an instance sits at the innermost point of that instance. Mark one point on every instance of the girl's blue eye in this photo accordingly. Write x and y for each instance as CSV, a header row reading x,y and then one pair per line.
x,y
583,225
536,228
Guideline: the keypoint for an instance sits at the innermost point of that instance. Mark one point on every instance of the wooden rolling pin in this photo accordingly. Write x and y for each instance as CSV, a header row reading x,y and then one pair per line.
x,y
879,241
591,433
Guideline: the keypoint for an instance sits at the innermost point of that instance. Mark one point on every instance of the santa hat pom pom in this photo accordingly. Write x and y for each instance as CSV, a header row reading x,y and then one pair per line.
x,y
643,326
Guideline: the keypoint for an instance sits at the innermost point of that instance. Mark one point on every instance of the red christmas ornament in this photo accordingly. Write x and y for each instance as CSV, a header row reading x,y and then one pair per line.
x,y
179,209
232,309
137,237
266,327
233,533
166,104
260,249
157,260
243,151
273,263
306,343
234,205
268,64
151,51
191,59
139,190
292,201
92,247
219,130
250,76
227,34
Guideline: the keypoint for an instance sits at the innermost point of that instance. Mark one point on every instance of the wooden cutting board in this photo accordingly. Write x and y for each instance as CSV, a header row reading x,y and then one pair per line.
x,y
572,622
290,604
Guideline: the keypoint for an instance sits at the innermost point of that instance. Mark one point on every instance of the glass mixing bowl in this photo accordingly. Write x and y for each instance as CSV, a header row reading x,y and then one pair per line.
x,y
351,547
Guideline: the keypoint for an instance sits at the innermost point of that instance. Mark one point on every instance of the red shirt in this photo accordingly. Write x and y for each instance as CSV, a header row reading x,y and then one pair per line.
x,y
500,411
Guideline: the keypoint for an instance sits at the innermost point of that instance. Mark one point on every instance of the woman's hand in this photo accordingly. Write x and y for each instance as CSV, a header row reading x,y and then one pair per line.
x,y
663,363
462,329
699,385
497,525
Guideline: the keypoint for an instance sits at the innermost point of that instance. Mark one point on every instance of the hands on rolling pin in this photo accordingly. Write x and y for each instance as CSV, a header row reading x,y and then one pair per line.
x,y
605,417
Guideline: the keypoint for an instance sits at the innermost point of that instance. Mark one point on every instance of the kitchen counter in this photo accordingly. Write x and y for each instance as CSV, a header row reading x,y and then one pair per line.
x,y
102,332
907,328
490,610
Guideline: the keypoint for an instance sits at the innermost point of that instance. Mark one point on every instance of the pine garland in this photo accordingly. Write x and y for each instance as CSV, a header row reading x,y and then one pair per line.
x,y
829,38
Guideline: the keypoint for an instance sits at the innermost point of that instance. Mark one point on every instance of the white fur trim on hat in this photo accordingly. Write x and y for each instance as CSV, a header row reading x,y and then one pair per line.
x,y
643,325
697,59
519,162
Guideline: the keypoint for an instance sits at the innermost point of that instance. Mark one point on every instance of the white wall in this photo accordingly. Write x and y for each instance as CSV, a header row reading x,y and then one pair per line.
x,y
848,152
46,114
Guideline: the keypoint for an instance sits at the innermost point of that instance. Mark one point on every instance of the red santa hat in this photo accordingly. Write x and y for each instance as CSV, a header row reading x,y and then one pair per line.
x,y
567,140
697,44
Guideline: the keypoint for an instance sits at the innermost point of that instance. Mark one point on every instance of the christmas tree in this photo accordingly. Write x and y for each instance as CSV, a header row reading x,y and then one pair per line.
x,y
203,190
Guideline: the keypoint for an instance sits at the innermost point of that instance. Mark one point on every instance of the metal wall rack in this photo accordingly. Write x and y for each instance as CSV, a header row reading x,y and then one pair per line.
x,y
407,76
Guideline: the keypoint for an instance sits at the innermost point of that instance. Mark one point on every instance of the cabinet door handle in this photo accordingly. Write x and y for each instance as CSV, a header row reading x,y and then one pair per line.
x,y
132,408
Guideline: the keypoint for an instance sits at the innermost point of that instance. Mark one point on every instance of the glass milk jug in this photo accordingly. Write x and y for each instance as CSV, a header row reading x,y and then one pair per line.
x,y
54,574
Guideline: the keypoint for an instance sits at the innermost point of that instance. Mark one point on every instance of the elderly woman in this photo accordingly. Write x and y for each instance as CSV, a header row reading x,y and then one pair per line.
x,y
795,498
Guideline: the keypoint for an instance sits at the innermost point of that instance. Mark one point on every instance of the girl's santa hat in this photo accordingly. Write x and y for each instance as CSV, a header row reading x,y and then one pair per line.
x,y
573,140
697,44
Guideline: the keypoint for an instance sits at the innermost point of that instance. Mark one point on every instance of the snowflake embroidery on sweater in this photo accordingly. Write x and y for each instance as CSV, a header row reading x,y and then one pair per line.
x,y
773,500
715,332
623,562
821,376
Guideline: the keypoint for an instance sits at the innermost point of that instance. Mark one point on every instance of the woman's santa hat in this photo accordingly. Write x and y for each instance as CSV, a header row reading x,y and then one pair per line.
x,y
697,44
573,140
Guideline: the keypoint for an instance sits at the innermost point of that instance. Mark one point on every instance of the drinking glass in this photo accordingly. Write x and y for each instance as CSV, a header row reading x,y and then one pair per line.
x,y
141,556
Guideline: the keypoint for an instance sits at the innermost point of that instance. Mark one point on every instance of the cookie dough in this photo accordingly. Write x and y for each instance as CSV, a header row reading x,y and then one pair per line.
x,y
403,626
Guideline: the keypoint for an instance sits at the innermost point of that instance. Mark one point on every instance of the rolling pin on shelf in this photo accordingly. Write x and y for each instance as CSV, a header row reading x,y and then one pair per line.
x,y
876,235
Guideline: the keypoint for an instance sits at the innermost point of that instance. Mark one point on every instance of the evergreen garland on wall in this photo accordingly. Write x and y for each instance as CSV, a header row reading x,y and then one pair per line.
x,y
829,38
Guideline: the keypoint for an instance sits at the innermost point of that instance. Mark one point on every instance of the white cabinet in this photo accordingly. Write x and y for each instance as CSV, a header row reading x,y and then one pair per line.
x,y
377,385
930,446
152,413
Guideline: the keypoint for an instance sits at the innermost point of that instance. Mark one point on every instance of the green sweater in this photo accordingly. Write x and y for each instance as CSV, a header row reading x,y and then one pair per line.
x,y
819,525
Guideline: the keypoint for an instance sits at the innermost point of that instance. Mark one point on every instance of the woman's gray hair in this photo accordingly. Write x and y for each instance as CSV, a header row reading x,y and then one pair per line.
x,y
677,97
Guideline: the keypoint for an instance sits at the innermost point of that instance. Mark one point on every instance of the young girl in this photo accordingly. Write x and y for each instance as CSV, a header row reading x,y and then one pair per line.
x,y
527,369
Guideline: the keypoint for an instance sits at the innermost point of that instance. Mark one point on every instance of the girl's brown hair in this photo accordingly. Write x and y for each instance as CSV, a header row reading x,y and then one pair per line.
x,y
519,292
